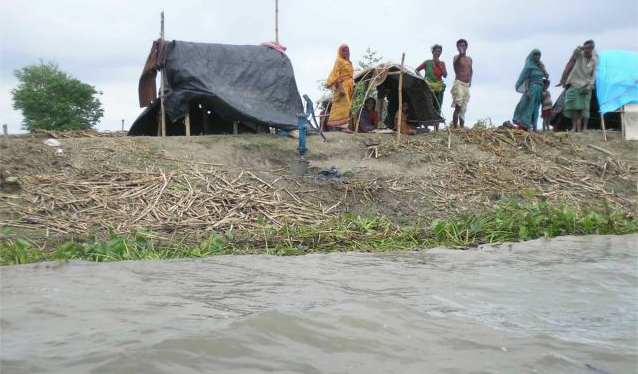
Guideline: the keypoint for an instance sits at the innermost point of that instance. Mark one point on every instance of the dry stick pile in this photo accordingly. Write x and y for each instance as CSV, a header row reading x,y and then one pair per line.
x,y
478,182
186,204
77,134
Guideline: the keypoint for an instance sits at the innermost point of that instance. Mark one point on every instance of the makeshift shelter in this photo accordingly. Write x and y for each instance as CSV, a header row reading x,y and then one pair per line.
x,y
616,91
415,91
222,88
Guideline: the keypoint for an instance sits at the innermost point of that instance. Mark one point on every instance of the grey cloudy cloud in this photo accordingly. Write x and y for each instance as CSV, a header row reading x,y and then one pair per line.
x,y
105,43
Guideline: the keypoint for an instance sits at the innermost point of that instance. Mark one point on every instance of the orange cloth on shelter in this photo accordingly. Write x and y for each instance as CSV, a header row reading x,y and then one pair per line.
x,y
342,80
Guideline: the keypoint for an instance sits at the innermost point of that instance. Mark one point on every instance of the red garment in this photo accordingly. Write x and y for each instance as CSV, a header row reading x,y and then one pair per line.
x,y
374,119
368,121
438,71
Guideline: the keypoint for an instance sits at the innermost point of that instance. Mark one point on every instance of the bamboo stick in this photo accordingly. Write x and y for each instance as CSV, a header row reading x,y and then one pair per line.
x,y
187,123
603,150
622,123
163,86
398,125
602,122
277,21
365,96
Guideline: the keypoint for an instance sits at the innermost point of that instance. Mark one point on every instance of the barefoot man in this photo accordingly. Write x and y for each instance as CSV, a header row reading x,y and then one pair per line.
x,y
580,82
462,82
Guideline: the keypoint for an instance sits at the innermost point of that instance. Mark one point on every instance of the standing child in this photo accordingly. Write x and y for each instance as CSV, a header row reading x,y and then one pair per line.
x,y
547,105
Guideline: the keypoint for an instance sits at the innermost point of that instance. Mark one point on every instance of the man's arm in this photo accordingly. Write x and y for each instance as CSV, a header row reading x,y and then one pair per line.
x,y
455,64
567,71
471,71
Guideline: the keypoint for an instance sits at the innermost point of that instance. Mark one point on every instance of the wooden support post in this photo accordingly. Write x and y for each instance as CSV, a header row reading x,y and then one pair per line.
x,y
5,130
187,123
398,124
122,125
602,123
622,123
277,21
163,87
235,127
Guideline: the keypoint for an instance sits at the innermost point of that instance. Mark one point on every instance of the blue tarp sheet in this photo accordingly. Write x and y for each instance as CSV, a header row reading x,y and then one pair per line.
x,y
617,80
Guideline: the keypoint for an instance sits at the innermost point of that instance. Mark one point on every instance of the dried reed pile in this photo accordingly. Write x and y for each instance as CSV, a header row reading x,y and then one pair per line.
x,y
170,204
515,162
39,133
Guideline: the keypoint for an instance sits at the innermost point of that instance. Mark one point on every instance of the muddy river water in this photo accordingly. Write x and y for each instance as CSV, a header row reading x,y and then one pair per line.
x,y
568,305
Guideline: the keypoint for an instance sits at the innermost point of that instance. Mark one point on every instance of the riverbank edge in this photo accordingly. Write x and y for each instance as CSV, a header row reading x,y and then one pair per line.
x,y
510,221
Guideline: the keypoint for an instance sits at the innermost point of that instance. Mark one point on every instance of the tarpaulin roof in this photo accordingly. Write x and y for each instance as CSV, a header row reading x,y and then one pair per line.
x,y
246,83
417,90
616,80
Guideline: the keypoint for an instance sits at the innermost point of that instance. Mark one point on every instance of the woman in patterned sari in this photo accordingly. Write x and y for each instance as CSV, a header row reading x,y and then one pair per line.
x,y
342,81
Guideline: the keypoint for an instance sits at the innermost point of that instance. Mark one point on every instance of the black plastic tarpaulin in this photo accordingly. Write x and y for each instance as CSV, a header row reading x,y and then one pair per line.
x,y
251,84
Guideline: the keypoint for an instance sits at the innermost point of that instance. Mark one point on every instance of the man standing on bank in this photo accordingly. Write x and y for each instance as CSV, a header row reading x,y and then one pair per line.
x,y
580,82
462,82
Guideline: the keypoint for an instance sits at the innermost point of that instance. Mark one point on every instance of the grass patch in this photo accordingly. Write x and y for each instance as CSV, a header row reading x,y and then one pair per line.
x,y
526,220
507,222
139,246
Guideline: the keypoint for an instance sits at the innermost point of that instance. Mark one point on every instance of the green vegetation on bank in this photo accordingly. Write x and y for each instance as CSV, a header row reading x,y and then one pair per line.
x,y
520,221
506,222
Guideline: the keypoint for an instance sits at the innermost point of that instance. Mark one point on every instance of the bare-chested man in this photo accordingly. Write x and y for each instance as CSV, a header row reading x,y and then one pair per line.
x,y
462,82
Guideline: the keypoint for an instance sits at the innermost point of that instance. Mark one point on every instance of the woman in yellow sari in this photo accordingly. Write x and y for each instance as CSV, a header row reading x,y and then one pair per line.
x,y
342,81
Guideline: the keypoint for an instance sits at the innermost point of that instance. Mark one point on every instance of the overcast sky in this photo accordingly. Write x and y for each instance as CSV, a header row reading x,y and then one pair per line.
x,y
105,43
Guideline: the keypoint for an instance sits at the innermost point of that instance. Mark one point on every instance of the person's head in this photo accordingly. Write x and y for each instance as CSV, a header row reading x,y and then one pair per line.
x,y
546,83
436,51
370,104
588,48
405,107
536,55
344,52
461,45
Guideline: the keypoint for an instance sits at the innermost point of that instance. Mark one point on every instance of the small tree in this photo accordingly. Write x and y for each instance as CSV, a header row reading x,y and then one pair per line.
x,y
369,59
50,99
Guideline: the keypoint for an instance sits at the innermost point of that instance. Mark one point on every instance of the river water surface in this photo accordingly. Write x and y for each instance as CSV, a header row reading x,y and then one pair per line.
x,y
568,305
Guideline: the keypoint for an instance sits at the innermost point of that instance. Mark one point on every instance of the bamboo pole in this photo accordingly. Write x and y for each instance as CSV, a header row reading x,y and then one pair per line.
x,y
602,122
163,86
187,123
367,89
398,124
622,123
277,21
600,149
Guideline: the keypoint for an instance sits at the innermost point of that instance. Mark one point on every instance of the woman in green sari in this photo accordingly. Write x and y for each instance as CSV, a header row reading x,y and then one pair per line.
x,y
435,71
530,84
